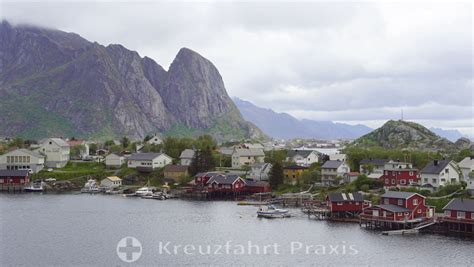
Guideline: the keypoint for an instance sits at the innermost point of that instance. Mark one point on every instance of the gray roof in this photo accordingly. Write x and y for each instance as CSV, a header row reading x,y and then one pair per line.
x,y
331,164
144,156
58,141
249,182
435,169
460,204
224,179
393,208
341,197
187,154
303,153
375,162
13,173
397,194
27,151
251,152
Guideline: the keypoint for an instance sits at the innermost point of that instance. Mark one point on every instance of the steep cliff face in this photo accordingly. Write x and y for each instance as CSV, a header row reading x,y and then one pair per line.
x,y
57,83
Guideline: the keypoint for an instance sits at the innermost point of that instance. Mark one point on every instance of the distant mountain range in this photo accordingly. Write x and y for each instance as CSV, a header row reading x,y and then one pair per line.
x,y
284,126
54,83
451,135
411,136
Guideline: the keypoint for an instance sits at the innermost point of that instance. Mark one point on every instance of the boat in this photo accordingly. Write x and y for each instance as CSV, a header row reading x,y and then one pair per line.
x,y
144,191
271,211
34,187
90,187
155,196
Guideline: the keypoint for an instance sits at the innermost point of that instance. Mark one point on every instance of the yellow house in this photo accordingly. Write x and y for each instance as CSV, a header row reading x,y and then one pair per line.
x,y
293,173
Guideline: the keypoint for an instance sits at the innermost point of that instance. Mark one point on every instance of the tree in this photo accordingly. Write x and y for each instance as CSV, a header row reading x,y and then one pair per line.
x,y
92,149
276,177
202,161
125,142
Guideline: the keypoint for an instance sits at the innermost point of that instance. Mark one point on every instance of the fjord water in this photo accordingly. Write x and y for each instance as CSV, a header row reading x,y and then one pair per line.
x,y
75,229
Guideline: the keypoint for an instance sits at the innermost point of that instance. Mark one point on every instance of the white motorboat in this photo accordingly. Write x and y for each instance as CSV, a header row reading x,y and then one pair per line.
x,y
34,187
271,211
144,191
90,187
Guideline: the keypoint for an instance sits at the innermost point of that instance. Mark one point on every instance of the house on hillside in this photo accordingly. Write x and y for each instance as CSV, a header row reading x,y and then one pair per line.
x,y
338,156
22,159
186,157
155,140
397,210
467,170
293,173
399,174
350,177
302,157
244,157
84,151
114,160
260,171
111,182
440,172
147,162
372,166
333,169
56,151
176,172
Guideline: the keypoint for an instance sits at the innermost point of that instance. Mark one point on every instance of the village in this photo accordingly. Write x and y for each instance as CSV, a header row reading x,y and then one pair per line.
x,y
387,194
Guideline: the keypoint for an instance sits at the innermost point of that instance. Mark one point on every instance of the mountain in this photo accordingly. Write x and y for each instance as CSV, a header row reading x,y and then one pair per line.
x,y
451,135
290,127
54,83
405,135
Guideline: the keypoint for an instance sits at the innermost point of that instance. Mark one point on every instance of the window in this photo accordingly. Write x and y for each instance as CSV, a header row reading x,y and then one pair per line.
x,y
400,202
426,180
415,201
385,201
357,203
461,215
400,214
433,180
386,172
446,170
447,213
394,181
419,211
411,173
339,203
402,181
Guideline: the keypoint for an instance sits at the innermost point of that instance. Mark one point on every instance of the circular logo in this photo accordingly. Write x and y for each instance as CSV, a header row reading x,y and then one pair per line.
x,y
129,249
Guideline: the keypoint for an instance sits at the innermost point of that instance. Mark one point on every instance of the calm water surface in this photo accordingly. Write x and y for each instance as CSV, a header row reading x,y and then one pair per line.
x,y
64,230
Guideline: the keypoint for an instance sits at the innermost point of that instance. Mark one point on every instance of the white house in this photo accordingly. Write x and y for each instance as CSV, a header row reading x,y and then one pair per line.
x,y
252,146
439,172
467,166
22,159
333,169
111,182
303,157
186,157
339,157
56,151
155,140
84,151
148,161
242,157
114,160
260,171
377,165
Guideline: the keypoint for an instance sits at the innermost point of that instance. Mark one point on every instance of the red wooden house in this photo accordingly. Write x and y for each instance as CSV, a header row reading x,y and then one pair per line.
x,y
399,207
225,184
459,216
13,179
252,186
203,177
346,204
399,174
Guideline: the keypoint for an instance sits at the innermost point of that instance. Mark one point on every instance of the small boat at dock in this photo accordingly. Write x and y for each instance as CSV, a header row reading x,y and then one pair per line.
x,y
271,211
90,187
34,187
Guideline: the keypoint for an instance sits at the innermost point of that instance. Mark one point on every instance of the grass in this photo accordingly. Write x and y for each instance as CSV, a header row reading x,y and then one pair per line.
x,y
74,170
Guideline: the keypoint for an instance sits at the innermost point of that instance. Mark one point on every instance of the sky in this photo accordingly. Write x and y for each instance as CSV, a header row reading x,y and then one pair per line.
x,y
342,61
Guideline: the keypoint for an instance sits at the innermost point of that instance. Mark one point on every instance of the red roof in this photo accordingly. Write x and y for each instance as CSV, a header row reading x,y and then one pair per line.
x,y
76,142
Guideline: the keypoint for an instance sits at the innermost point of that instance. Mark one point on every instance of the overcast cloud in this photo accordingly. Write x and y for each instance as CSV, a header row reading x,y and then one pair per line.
x,y
349,62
